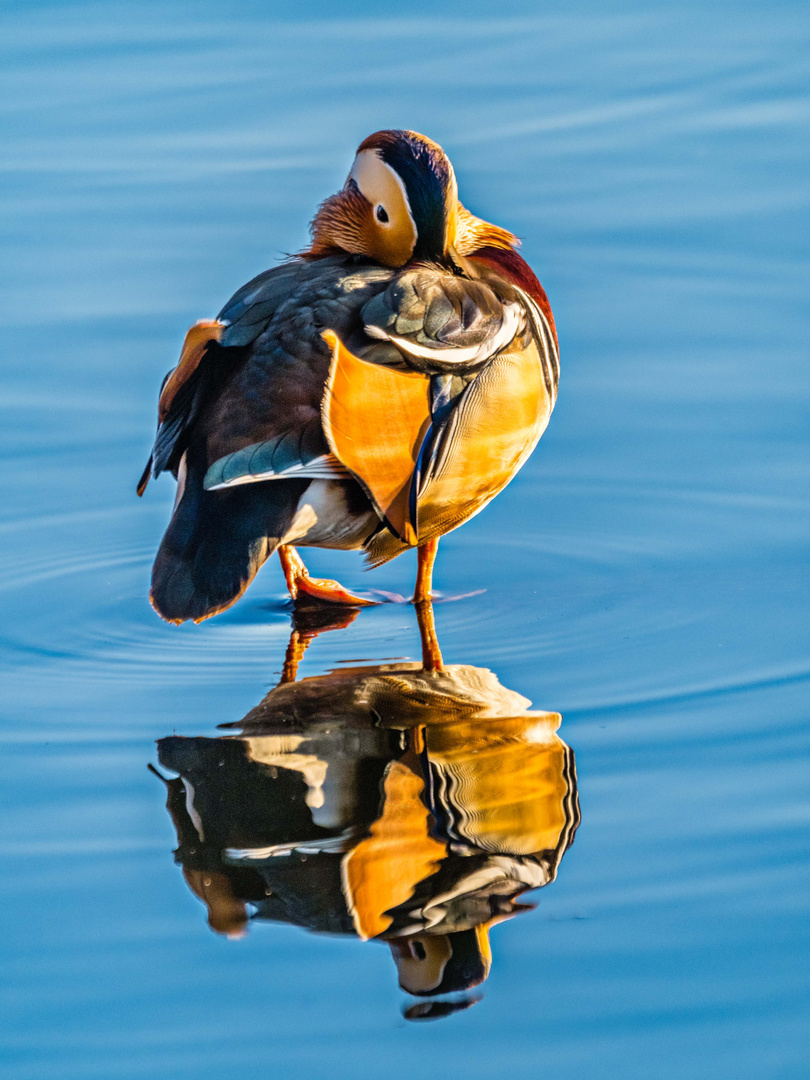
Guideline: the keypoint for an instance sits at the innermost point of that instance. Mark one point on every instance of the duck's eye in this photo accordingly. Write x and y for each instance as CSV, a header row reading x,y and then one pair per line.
x,y
382,214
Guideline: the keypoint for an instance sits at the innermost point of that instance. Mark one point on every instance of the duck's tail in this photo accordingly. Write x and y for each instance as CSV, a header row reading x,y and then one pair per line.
x,y
216,542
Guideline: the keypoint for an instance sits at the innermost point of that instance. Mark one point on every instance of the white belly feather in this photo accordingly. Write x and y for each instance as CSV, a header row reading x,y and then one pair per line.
x,y
324,518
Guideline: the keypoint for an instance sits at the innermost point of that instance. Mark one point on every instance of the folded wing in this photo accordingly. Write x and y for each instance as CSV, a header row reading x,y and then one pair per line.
x,y
440,322
210,349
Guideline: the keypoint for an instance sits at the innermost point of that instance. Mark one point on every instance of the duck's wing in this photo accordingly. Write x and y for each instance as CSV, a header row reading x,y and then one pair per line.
x,y
180,396
210,351
432,446
247,408
442,323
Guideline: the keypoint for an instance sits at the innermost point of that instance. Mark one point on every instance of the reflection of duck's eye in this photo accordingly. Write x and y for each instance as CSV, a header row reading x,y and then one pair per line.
x,y
382,214
418,950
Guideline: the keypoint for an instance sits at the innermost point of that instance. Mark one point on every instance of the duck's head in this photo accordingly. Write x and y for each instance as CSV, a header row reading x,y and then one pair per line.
x,y
400,204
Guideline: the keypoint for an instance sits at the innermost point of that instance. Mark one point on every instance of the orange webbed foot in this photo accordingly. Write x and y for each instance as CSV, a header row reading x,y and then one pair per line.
x,y
300,583
332,592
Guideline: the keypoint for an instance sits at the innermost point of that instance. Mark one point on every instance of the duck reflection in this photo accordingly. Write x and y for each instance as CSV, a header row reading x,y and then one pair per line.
x,y
393,803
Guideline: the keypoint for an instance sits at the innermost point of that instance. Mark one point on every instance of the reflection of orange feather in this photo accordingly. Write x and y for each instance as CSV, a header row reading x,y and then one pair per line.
x,y
508,779
382,871
194,347
226,912
375,419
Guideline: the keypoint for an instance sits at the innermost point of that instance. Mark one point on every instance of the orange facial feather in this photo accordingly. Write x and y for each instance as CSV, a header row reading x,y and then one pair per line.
x,y
340,224
473,233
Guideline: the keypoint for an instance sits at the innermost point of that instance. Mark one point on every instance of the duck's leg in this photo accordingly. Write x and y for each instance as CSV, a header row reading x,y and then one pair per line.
x,y
431,653
299,582
426,557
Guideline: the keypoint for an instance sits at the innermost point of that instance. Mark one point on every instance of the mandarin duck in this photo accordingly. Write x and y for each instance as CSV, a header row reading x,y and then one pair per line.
x,y
373,392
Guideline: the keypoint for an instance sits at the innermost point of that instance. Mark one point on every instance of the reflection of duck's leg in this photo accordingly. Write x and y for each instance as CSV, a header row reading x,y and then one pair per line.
x,y
431,653
426,557
298,645
308,621
298,581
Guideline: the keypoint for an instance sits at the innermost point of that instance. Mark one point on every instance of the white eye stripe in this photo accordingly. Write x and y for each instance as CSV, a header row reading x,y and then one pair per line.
x,y
374,178
397,179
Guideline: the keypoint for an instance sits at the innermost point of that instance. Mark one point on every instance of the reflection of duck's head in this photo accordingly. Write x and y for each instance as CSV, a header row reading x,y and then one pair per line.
x,y
444,963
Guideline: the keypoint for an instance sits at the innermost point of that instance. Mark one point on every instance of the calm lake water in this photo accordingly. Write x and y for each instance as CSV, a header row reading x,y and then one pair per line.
x,y
645,575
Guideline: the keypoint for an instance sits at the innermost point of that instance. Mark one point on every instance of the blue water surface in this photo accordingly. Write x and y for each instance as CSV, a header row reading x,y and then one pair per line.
x,y
645,575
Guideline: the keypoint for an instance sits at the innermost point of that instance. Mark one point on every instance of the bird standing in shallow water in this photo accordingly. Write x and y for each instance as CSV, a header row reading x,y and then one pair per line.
x,y
373,392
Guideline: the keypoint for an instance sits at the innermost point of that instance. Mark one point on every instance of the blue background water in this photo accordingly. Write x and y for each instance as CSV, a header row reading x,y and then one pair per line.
x,y
646,574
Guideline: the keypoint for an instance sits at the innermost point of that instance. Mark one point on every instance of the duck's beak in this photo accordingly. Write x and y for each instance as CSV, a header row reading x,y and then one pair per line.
x,y
451,228
484,947
451,216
